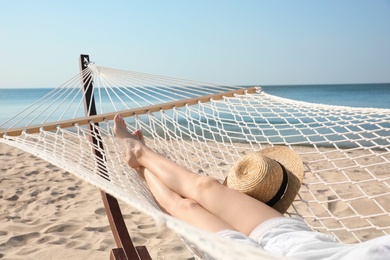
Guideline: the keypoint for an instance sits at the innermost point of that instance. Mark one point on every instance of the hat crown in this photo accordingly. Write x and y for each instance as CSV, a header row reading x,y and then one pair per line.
x,y
258,174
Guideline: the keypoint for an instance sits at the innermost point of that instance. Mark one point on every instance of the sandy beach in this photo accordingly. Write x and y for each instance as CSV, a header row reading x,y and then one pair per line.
x,y
47,213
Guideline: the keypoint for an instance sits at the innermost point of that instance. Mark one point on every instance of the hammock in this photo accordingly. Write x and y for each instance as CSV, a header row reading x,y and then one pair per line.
x,y
207,127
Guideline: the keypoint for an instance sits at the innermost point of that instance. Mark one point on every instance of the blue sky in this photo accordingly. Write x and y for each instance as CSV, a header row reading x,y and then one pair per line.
x,y
229,42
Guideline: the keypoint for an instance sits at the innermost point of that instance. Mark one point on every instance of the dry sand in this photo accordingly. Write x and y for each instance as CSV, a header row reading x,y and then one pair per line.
x,y
47,213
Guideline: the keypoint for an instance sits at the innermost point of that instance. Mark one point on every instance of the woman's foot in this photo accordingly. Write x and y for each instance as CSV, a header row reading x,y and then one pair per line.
x,y
140,170
120,128
134,143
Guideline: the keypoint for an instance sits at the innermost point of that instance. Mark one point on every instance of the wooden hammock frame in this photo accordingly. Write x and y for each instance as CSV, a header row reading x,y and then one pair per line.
x,y
125,247
126,250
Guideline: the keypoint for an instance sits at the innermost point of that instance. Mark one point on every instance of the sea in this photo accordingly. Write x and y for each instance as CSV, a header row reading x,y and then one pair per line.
x,y
353,95
15,100
12,101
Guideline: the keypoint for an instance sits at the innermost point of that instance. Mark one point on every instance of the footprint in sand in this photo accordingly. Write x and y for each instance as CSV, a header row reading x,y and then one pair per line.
x,y
139,240
21,240
13,198
32,173
46,239
59,241
34,193
98,229
73,188
62,198
100,211
146,226
338,207
63,228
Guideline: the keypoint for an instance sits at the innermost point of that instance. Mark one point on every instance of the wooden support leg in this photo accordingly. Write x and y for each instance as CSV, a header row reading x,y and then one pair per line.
x,y
118,254
121,235
126,249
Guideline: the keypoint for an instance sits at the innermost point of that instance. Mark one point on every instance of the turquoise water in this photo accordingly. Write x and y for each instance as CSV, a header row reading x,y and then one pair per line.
x,y
13,101
354,95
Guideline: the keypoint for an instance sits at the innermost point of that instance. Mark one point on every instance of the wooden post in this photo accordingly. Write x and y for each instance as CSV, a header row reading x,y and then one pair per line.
x,y
126,249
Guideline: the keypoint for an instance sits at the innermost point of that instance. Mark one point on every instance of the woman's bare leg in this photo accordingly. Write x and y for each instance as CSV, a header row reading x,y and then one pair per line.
x,y
224,203
184,209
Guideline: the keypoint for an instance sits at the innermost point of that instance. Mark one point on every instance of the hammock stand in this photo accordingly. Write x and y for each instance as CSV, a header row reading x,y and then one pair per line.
x,y
206,127
126,249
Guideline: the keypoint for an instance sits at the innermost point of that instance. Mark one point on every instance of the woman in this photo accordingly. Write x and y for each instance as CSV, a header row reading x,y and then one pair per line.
x,y
204,202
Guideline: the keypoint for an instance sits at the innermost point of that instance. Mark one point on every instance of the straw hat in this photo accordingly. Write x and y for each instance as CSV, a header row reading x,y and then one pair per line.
x,y
273,176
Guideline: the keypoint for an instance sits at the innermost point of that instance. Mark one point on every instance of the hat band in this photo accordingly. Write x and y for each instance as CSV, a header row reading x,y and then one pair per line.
x,y
281,190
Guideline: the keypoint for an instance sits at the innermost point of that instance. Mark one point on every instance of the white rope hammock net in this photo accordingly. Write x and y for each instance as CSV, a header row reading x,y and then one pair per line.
x,y
346,151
